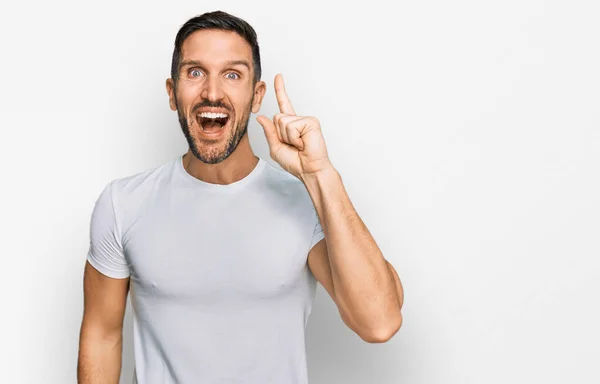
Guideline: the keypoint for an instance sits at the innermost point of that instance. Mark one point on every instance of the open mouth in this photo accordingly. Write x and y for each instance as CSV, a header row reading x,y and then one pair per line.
x,y
212,122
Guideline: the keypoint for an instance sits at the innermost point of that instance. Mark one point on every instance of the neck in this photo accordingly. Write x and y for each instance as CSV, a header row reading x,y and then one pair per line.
x,y
234,168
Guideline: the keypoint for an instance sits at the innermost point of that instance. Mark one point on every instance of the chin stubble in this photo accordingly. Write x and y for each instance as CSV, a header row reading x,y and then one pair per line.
x,y
210,158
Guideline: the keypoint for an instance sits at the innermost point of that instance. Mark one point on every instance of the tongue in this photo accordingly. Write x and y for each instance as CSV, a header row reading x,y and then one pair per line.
x,y
211,127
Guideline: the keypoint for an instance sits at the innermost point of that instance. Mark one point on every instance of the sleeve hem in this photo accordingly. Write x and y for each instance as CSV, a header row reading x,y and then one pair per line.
x,y
320,236
105,270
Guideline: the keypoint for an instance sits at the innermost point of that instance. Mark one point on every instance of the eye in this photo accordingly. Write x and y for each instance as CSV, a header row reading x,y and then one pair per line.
x,y
195,72
232,76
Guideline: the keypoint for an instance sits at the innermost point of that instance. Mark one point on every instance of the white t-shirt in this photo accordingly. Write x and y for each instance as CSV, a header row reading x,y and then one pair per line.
x,y
220,286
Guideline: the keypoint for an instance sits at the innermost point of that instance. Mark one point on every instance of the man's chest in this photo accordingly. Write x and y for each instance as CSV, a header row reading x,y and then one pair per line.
x,y
212,254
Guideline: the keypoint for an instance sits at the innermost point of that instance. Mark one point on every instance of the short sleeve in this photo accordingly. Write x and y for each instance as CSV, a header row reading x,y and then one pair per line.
x,y
106,252
318,234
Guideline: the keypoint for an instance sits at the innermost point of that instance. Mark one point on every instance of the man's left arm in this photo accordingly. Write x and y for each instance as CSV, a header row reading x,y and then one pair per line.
x,y
350,265
348,262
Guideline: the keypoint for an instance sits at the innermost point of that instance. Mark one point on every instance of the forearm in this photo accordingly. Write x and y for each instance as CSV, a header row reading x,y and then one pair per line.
x,y
366,287
99,359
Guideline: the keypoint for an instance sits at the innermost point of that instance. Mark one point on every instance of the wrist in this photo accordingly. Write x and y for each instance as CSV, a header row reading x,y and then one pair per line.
x,y
323,175
322,186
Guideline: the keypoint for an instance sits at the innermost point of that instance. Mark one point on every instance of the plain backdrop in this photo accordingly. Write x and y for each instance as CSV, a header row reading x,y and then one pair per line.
x,y
467,134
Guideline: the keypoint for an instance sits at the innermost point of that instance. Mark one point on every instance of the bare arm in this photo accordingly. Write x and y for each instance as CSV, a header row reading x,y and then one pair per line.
x,y
100,339
350,265
318,261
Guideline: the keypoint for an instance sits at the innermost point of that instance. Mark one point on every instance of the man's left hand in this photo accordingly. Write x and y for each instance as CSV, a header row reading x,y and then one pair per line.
x,y
295,142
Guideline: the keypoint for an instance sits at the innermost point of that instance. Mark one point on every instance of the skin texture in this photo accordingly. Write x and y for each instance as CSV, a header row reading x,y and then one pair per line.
x,y
100,339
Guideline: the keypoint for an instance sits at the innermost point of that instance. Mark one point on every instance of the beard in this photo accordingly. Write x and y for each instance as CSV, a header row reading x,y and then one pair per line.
x,y
213,154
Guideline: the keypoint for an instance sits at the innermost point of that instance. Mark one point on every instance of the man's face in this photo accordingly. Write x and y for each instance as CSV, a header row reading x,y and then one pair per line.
x,y
215,93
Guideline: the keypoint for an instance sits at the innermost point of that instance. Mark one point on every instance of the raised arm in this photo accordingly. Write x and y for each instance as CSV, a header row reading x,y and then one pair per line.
x,y
348,263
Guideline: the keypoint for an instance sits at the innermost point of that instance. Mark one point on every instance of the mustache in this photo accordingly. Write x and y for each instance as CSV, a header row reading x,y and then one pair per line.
x,y
210,104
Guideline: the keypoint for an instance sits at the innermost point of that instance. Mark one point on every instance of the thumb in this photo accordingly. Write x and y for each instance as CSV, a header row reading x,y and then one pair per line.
x,y
270,131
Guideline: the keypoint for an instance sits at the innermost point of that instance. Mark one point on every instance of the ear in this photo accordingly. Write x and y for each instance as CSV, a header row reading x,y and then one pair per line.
x,y
259,92
171,91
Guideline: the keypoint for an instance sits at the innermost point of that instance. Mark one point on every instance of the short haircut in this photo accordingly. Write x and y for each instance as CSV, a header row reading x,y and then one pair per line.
x,y
221,21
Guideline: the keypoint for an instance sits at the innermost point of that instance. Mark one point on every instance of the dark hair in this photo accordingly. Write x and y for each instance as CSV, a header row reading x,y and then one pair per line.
x,y
216,20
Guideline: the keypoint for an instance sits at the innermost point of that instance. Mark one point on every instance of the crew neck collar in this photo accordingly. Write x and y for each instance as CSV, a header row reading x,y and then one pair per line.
x,y
236,185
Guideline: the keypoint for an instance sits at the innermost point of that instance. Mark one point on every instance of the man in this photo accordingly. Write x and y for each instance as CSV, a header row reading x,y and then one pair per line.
x,y
220,250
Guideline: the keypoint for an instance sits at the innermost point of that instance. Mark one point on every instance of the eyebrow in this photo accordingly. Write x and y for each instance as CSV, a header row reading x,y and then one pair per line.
x,y
228,63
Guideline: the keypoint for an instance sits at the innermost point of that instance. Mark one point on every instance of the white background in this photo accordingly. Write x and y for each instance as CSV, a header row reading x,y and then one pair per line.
x,y
467,134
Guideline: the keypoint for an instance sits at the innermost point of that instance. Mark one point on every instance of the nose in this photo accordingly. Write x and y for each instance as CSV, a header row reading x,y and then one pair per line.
x,y
212,89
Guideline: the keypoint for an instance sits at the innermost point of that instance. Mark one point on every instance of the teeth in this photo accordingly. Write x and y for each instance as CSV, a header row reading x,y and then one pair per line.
x,y
212,115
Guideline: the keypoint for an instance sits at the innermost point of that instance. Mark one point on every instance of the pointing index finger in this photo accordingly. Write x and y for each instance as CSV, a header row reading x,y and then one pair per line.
x,y
285,105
